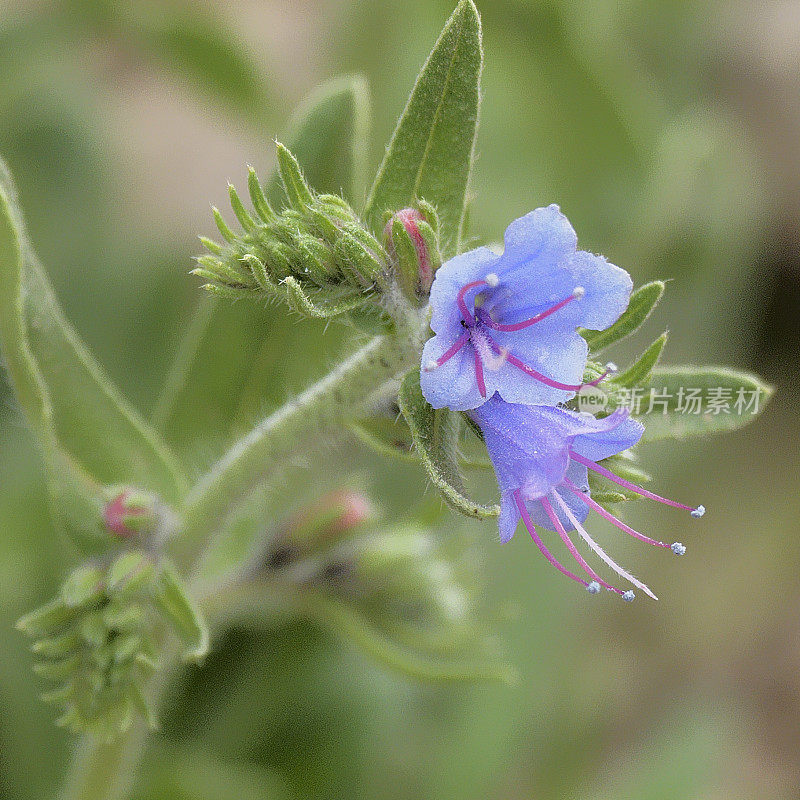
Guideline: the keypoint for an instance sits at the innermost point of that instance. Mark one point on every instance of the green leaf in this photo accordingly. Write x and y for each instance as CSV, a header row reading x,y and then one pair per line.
x,y
435,433
431,152
328,138
87,430
692,401
642,303
172,598
640,370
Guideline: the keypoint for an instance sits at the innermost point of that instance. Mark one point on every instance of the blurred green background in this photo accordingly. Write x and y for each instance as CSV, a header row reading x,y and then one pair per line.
x,y
668,133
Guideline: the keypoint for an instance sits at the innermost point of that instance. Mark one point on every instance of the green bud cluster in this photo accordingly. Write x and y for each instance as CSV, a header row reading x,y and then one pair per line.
x,y
406,597
315,254
96,640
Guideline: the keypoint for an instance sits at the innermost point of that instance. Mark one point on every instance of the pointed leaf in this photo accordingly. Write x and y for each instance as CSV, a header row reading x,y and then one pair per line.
x,y
435,434
431,152
80,418
693,401
641,304
640,370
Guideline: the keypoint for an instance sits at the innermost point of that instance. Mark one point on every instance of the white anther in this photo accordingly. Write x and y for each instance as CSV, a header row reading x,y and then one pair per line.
x,y
678,548
611,366
492,280
431,365
698,512
578,292
593,587
629,596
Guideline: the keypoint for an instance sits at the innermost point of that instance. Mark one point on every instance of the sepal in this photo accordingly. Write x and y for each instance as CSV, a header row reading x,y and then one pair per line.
x,y
436,433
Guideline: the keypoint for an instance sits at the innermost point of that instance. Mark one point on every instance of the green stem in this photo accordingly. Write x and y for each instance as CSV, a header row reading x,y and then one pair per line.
x,y
104,770
339,396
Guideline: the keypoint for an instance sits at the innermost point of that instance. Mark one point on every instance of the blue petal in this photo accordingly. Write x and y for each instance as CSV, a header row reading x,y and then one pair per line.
x,y
450,278
540,239
560,356
509,517
609,442
577,474
453,384
527,451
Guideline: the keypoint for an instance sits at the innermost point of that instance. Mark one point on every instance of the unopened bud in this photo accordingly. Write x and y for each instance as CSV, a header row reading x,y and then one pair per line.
x,y
129,512
332,517
411,242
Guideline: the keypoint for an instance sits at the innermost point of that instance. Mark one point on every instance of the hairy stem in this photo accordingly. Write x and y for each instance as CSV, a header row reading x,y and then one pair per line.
x,y
340,395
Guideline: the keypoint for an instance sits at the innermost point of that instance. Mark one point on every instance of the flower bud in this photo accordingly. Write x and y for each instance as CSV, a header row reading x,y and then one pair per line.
x,y
411,241
332,518
129,513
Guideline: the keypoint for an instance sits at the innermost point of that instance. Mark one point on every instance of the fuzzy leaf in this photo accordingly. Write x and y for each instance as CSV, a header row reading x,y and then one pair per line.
x,y
435,433
431,152
640,370
172,598
83,423
739,396
642,303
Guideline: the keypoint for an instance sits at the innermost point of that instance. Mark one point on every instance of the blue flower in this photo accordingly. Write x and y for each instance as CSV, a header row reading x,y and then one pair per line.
x,y
507,323
542,456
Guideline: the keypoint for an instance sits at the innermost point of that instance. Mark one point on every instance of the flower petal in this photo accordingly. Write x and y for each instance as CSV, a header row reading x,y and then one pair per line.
x,y
509,516
610,441
453,383
450,278
540,240
560,356
527,451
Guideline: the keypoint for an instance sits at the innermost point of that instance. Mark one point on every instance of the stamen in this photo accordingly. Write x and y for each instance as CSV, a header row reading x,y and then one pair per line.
x,y
678,548
599,550
465,312
629,596
593,504
571,547
698,512
479,373
446,356
593,587
633,487
526,518
577,293
512,359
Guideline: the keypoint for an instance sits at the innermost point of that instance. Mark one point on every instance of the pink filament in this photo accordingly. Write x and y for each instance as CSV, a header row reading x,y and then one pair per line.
x,y
610,517
514,361
454,348
571,547
627,484
479,373
465,312
518,326
599,550
539,543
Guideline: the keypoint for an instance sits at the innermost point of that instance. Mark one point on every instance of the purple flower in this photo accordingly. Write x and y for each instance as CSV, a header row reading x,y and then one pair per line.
x,y
542,456
507,323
